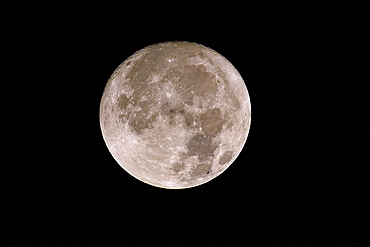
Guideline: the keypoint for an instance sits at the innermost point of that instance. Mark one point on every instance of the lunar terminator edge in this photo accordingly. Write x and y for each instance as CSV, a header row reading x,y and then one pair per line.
x,y
175,114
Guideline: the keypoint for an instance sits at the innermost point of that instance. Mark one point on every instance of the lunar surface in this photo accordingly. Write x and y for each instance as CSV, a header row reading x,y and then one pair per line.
x,y
175,114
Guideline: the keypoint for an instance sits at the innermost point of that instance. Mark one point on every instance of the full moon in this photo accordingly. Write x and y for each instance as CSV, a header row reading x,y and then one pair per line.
x,y
175,114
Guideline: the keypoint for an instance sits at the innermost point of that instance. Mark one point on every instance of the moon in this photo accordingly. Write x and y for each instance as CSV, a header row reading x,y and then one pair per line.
x,y
175,114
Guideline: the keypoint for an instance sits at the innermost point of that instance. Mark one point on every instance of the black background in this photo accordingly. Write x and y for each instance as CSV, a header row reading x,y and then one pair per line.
x,y
289,184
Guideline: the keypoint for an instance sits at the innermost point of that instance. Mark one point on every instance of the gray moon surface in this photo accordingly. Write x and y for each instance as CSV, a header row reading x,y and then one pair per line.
x,y
175,114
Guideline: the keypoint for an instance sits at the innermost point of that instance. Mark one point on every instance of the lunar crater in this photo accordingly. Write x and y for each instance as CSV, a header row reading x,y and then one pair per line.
x,y
175,114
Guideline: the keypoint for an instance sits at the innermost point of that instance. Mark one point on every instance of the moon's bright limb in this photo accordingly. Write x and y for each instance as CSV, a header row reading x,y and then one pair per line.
x,y
175,114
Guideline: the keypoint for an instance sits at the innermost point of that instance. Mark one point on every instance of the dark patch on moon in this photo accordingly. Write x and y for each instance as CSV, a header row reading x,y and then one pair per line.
x,y
122,102
212,121
195,80
202,146
150,63
190,119
177,113
201,170
226,157
204,56
178,167
139,124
